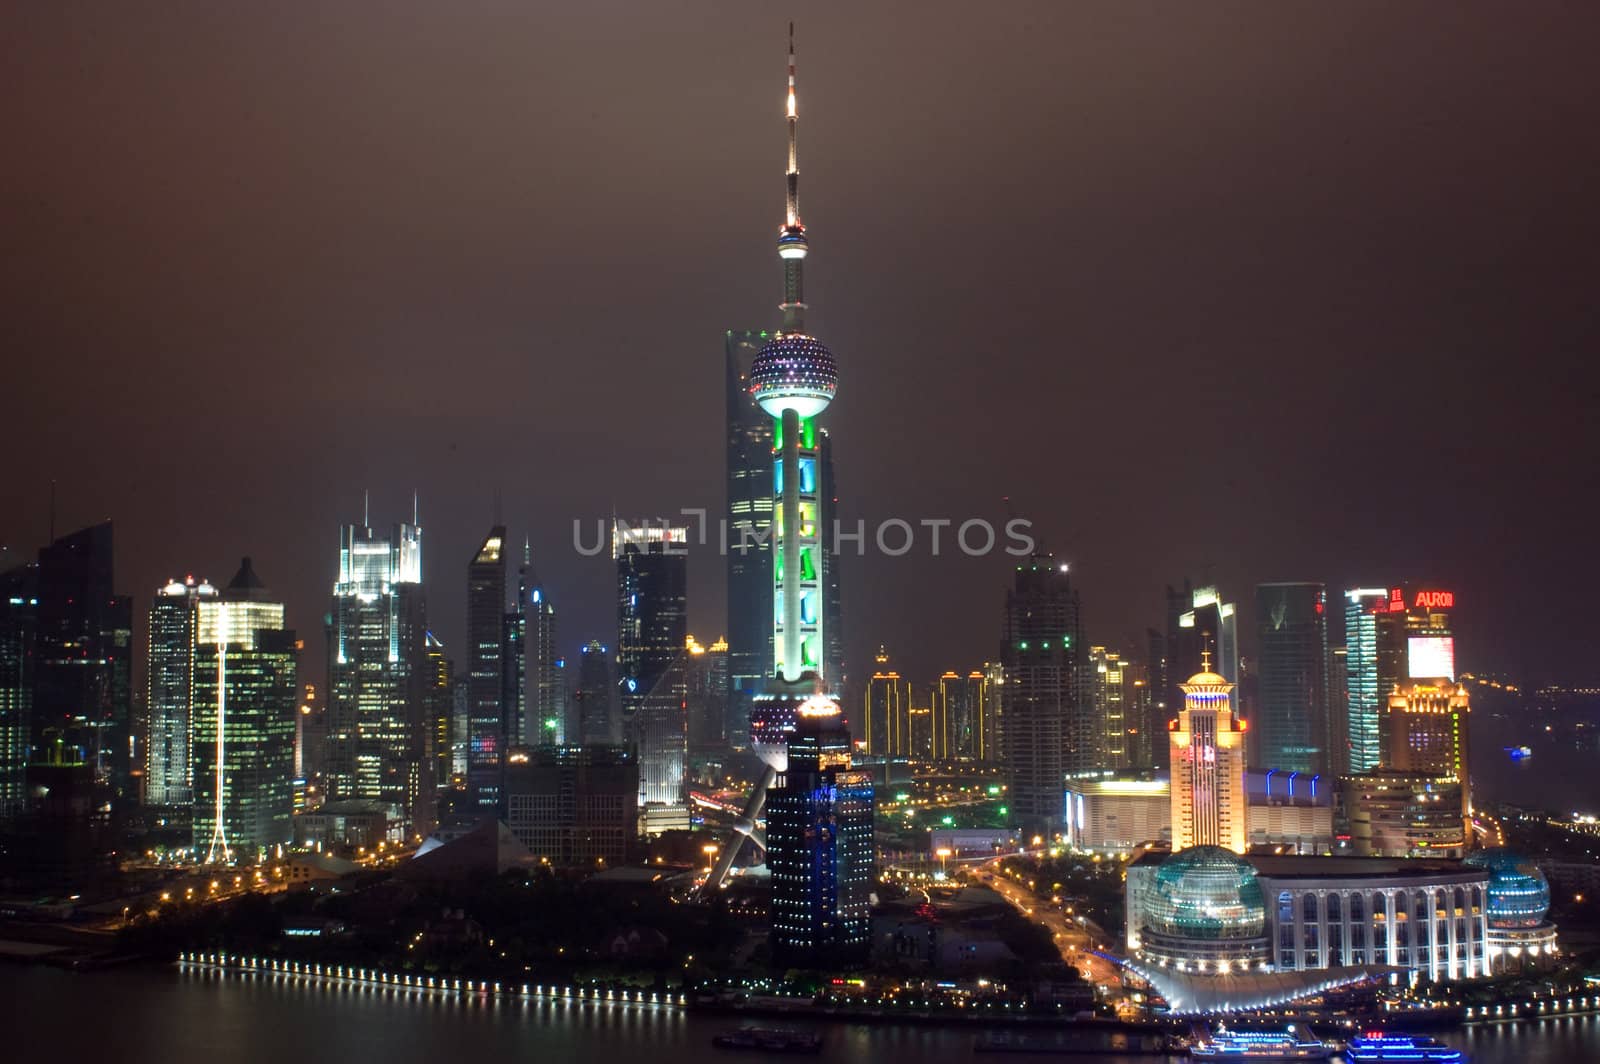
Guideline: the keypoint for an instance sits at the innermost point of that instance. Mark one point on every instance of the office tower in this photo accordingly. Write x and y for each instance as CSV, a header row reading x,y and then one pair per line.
x,y
169,687
1397,813
748,526
486,607
64,840
1430,643
546,717
887,712
652,631
514,705
83,674
439,686
1146,727
1292,621
1209,806
1205,625
819,846
707,695
1338,710
965,704
310,743
1048,725
1425,728
1161,706
1364,693
1109,697
245,698
594,697
19,616
575,807
380,734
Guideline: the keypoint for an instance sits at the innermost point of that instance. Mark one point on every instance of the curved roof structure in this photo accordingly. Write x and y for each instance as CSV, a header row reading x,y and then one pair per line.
x,y
1189,993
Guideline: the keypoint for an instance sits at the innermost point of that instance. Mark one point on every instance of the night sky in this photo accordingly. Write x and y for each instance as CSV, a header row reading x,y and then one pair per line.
x,y
1243,292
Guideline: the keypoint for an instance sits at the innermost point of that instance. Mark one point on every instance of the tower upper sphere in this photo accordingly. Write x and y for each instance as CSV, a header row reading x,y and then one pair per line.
x,y
794,372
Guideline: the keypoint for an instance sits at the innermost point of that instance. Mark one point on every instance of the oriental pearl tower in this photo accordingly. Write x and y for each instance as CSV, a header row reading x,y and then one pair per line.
x,y
793,379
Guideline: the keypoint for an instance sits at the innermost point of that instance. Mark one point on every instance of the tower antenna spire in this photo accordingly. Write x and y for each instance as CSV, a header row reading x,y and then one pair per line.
x,y
792,236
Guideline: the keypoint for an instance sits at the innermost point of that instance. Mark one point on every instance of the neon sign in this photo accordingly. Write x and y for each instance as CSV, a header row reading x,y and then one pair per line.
x,y
1443,600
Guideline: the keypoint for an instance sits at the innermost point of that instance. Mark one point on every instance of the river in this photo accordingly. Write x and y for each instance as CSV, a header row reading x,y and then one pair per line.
x,y
163,1015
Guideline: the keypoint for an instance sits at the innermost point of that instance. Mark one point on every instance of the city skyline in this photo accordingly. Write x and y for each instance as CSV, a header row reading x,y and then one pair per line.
x,y
384,325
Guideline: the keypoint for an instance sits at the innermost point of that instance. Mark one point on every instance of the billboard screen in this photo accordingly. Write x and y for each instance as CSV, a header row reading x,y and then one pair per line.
x,y
1431,657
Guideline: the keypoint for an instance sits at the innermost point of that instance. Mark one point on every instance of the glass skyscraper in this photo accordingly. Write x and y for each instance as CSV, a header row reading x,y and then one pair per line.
x,y
748,522
652,633
169,690
1364,696
379,728
245,697
1292,724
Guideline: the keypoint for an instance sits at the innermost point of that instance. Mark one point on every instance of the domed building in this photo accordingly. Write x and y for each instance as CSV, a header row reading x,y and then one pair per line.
x,y
1517,901
1202,911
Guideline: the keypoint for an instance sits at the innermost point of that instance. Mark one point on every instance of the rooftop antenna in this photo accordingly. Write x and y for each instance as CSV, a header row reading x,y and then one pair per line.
x,y
366,507
416,520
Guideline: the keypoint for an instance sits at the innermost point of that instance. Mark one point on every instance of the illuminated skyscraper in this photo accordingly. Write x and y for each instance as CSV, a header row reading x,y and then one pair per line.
x,y
545,691
1048,724
887,712
1363,694
707,696
245,699
1425,727
19,616
1109,694
169,686
965,705
486,608
440,687
1292,621
380,732
1209,805
83,663
652,631
820,846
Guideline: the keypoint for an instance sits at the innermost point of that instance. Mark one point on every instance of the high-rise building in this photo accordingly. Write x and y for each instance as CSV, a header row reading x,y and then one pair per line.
x,y
245,700
1425,728
652,632
707,695
1109,685
169,687
1048,726
1430,643
439,685
594,700
19,616
1205,625
1160,705
748,523
1292,721
1338,715
1363,693
83,665
1146,727
380,734
575,807
820,846
966,706
1209,805
546,717
887,712
486,716
832,596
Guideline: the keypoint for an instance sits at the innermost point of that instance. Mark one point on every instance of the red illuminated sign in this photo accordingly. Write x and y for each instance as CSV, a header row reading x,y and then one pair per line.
x,y
1436,600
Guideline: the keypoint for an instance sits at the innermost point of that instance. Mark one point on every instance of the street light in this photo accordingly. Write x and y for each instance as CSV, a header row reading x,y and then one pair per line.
x,y
943,853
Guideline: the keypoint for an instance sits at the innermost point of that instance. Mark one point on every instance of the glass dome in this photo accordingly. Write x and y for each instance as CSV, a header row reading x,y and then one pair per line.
x,y
1206,892
1518,894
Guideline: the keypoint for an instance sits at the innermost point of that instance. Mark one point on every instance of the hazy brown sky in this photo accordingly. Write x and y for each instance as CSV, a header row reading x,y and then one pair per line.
x,y
1253,291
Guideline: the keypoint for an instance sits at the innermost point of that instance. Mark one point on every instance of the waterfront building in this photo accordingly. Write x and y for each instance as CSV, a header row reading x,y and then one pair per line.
x,y
1048,729
379,727
820,846
1520,932
1207,754
245,701
169,690
574,807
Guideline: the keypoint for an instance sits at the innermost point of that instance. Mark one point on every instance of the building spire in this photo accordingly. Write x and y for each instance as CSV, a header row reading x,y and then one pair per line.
x,y
792,236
